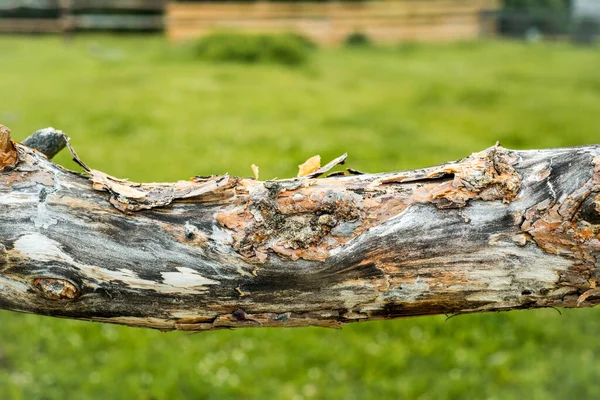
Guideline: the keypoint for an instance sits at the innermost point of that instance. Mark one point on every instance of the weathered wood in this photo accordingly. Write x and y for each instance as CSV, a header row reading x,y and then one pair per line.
x,y
155,5
29,25
112,21
332,22
498,230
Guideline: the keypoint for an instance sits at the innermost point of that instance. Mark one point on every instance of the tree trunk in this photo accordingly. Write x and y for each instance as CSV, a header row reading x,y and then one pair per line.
x,y
498,230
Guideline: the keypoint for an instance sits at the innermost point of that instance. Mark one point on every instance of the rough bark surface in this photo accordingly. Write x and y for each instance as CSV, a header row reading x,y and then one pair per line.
x,y
498,230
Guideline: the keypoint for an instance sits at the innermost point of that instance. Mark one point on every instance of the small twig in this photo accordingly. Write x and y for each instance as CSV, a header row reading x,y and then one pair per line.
x,y
557,310
336,173
353,171
75,156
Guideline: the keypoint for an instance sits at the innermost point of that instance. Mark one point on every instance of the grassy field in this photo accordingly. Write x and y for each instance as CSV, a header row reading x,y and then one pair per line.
x,y
142,109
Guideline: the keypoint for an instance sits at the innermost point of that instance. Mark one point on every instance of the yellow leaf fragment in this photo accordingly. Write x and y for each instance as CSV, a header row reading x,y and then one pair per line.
x,y
310,165
255,171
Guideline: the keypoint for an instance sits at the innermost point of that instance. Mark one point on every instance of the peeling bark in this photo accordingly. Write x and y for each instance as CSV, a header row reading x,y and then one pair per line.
x,y
8,152
498,230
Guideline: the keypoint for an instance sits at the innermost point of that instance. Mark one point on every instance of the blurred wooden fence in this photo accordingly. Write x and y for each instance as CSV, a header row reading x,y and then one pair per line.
x,y
332,22
53,16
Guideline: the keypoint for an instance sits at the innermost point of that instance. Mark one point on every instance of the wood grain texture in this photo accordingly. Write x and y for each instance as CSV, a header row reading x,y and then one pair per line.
x,y
498,230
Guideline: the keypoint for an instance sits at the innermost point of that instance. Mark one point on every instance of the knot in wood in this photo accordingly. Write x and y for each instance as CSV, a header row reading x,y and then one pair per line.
x,y
590,210
239,314
56,289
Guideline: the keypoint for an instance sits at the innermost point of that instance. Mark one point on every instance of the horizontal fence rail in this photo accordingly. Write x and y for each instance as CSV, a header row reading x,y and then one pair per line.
x,y
332,22
157,5
52,16
31,4
30,25
116,22
324,22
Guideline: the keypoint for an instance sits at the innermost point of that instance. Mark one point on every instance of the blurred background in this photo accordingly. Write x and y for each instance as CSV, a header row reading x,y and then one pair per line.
x,y
157,90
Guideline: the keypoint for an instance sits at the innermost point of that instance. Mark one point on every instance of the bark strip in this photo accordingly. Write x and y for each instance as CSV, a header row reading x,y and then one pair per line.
x,y
498,230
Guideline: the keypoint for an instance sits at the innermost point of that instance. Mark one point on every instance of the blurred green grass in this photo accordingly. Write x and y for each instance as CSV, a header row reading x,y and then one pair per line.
x,y
142,109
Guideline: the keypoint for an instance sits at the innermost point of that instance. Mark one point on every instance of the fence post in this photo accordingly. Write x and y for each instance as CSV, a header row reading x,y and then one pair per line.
x,y
66,19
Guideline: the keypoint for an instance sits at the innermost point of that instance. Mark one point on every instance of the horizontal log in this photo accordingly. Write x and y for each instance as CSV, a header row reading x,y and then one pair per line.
x,y
333,9
498,230
333,22
374,22
325,33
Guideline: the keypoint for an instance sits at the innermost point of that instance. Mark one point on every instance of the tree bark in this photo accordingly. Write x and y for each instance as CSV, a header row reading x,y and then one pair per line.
x,y
498,230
